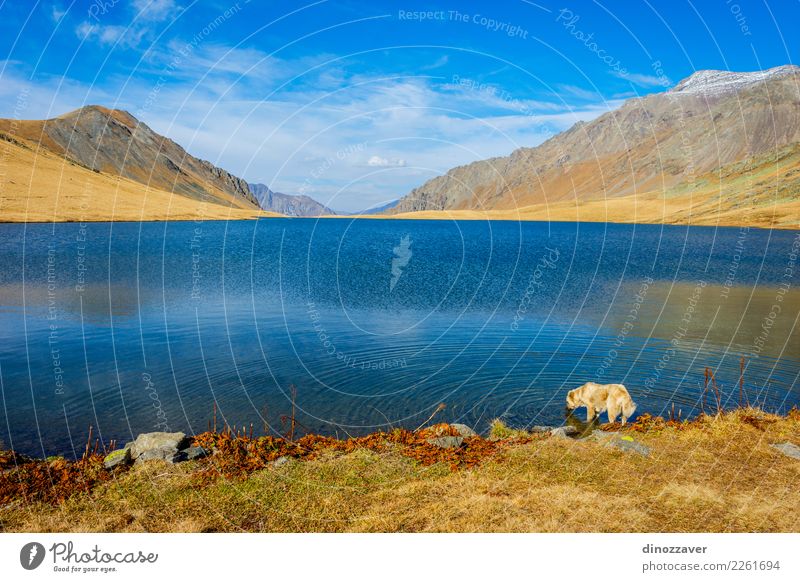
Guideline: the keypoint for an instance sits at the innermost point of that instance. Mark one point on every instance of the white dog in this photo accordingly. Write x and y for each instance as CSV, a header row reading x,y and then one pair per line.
x,y
598,398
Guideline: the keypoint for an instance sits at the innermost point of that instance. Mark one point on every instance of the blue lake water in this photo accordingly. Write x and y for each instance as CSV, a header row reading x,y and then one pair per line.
x,y
133,327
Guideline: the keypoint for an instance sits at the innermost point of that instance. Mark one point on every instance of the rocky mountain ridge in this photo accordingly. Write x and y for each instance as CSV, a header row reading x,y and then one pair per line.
x,y
708,121
288,204
114,142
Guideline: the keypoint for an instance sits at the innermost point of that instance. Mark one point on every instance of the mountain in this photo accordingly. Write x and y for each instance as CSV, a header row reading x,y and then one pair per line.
x,y
114,142
37,185
690,138
300,205
379,209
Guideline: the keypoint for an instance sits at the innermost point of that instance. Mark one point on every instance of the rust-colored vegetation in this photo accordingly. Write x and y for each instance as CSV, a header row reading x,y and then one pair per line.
x,y
53,480
236,455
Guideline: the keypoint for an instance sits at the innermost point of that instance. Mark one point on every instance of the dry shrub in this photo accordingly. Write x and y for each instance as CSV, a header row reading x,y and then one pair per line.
x,y
237,456
31,480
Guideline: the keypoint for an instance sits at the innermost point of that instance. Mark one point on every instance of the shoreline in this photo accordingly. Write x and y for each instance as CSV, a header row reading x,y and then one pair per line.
x,y
405,216
733,471
428,215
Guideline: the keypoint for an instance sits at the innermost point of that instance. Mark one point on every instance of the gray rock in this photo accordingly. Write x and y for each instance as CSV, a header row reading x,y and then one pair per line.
x,y
788,449
158,440
446,442
540,429
622,442
280,461
564,432
166,453
194,453
463,430
116,458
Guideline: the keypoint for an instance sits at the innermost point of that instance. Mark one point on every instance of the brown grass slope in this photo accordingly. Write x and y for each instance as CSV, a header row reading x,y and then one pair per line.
x,y
114,142
37,185
653,144
763,192
719,474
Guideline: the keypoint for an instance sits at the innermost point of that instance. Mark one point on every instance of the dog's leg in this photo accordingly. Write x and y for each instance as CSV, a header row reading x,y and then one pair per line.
x,y
613,412
589,413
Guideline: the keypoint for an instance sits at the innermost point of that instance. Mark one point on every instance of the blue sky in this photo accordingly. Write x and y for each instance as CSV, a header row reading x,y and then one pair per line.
x,y
356,103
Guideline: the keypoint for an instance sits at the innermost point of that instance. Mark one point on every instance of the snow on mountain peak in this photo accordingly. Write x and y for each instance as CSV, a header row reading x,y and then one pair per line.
x,y
716,82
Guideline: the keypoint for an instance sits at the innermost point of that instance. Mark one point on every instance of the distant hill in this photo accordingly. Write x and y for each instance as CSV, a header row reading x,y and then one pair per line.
x,y
380,209
97,163
37,185
116,143
695,138
288,204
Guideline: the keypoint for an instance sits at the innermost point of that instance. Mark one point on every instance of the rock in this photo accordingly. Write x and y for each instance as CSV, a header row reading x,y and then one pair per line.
x,y
622,442
627,444
117,458
165,453
463,430
540,429
194,453
788,449
158,440
280,461
446,442
564,432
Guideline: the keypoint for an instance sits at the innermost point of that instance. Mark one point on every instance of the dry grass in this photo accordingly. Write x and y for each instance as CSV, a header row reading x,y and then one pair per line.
x,y
39,186
717,475
697,209
763,192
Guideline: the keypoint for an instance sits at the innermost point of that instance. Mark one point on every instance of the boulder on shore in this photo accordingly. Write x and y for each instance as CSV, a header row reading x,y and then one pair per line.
x,y
788,449
446,442
463,430
116,458
165,453
624,443
194,453
166,446
564,432
172,447
281,461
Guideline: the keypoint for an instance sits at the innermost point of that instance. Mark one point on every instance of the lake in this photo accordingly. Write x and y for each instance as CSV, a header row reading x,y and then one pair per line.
x,y
135,327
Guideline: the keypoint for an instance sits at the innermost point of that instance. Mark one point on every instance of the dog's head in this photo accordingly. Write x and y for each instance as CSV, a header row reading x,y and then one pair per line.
x,y
572,399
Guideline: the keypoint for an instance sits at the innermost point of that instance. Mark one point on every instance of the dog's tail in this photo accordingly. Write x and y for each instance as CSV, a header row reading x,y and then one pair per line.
x,y
629,408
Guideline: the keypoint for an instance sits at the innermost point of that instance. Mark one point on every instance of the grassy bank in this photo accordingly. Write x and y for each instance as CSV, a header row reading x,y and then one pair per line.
x,y
716,474
40,186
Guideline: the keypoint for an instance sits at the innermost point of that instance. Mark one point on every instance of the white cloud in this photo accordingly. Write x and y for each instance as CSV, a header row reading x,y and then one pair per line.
x,y
379,162
144,14
350,141
155,10
110,34
440,62
57,12
579,92
644,80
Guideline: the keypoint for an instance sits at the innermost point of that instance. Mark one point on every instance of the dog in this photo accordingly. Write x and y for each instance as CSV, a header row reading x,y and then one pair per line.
x,y
597,398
